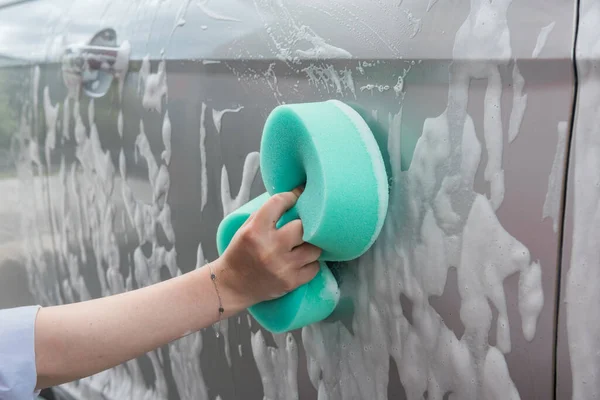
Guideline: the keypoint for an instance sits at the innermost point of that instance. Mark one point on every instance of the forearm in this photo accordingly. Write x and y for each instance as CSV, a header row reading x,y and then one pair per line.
x,y
78,340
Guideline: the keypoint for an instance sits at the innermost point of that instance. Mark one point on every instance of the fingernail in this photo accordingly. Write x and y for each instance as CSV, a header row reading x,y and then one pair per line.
x,y
298,191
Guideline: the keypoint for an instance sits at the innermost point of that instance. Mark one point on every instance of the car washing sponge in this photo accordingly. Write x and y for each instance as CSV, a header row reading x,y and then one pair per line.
x,y
309,303
330,149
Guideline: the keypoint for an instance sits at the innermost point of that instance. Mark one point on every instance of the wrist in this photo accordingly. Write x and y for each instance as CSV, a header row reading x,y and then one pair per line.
x,y
227,288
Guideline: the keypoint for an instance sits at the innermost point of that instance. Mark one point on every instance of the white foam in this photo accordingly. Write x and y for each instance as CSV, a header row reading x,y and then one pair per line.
x,y
164,219
492,130
290,37
330,291
436,220
143,147
179,18
143,73
36,88
86,211
185,364
120,123
399,86
497,384
200,260
430,4
555,179
329,78
203,4
230,204
278,367
66,119
321,50
218,116
413,22
161,184
203,171
371,87
121,65
166,134
541,39
51,115
519,104
155,87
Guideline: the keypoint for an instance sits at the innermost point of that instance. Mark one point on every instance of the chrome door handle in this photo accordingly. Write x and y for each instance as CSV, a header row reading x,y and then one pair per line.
x,y
94,65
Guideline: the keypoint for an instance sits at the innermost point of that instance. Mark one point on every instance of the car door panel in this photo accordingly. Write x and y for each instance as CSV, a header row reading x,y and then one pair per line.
x,y
578,327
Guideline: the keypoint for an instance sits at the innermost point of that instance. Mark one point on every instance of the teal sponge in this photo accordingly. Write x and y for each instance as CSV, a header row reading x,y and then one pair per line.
x,y
330,149
309,303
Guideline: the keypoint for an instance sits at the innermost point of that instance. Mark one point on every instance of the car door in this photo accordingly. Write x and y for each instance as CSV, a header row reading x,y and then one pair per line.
x,y
152,118
578,323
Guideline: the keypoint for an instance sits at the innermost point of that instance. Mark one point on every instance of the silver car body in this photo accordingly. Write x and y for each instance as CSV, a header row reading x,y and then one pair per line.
x,y
131,128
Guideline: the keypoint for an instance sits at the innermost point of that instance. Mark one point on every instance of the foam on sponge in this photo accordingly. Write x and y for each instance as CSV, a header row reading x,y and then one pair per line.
x,y
330,149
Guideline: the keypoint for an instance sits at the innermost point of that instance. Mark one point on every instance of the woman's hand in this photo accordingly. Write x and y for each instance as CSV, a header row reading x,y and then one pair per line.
x,y
262,262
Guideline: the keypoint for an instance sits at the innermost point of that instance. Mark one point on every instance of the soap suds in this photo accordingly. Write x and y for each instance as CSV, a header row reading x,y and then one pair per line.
x,y
51,115
294,41
332,80
66,119
203,4
230,203
203,169
541,39
583,276
555,180
218,116
496,380
166,136
436,220
185,357
414,23
155,85
492,122
372,86
120,123
179,18
88,213
143,74
278,366
121,66
519,104
430,4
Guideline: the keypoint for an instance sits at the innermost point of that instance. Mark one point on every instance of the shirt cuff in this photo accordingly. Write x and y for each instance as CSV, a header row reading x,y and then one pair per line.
x,y
18,375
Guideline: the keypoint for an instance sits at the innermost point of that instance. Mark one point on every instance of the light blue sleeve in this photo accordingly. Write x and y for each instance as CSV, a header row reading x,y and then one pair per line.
x,y
18,375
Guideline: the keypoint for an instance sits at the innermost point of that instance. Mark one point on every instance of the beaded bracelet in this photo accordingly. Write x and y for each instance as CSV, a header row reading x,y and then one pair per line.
x,y
213,278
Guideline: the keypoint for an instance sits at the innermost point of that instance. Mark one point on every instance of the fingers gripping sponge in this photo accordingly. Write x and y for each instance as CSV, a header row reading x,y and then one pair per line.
x,y
328,147
309,303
